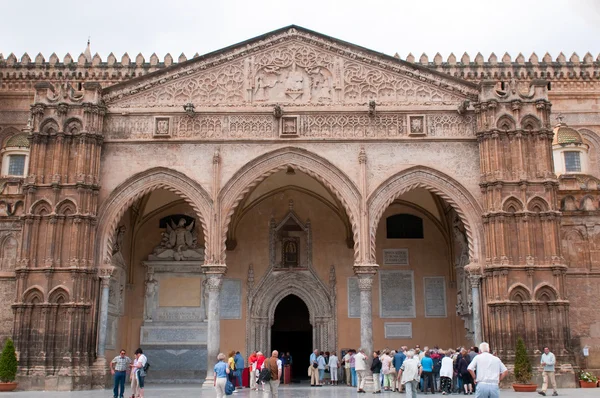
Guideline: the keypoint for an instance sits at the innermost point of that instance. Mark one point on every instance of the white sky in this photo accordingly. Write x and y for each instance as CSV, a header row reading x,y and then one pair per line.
x,y
176,26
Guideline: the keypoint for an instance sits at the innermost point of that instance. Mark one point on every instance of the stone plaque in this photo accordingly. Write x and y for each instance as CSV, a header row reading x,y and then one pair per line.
x,y
231,299
173,335
434,288
396,294
398,330
395,256
178,314
353,298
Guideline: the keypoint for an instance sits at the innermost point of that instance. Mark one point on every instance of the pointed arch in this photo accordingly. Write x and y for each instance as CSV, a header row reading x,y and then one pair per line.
x,y
568,203
530,122
467,208
140,184
519,292
49,124
512,205
66,206
537,205
41,207
33,295
545,292
257,170
60,294
506,123
72,126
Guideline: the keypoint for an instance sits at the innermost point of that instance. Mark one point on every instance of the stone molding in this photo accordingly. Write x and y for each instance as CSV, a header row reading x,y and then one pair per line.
x,y
255,171
263,300
136,187
466,206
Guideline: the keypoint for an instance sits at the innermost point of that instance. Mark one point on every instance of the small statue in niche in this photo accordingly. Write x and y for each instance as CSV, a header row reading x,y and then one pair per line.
x,y
151,287
290,253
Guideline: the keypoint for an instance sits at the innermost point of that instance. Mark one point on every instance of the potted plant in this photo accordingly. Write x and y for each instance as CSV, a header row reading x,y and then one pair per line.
x,y
522,369
8,367
587,380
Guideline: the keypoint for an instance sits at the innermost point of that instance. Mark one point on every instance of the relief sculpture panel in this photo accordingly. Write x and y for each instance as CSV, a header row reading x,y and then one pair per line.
x,y
289,72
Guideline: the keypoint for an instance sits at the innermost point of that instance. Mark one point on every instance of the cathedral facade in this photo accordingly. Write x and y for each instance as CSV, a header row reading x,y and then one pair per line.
x,y
293,192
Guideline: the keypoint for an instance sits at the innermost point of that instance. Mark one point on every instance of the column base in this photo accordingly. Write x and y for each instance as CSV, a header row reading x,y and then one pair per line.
x,y
101,377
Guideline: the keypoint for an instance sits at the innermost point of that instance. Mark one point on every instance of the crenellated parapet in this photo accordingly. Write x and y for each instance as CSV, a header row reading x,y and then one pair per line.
x,y
20,73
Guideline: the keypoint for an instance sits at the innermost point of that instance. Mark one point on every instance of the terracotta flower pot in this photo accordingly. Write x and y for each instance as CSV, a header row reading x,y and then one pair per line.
x,y
587,384
524,387
7,386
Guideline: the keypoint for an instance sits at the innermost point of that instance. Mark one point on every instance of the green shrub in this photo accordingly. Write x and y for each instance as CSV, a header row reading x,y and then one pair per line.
x,y
522,364
8,362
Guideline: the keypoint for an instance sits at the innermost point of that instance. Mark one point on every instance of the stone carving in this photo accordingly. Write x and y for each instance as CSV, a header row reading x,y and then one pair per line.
x,y
417,125
291,71
364,83
290,246
189,109
118,127
162,127
179,242
118,240
150,299
289,126
451,125
351,126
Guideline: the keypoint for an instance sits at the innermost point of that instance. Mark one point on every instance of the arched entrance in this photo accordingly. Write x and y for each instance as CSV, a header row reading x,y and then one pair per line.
x,y
292,332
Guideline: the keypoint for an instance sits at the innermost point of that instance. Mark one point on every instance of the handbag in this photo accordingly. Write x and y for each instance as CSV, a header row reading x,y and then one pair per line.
x,y
315,365
229,388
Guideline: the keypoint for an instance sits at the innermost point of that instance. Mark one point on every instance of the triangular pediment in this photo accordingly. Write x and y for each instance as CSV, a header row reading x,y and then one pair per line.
x,y
290,66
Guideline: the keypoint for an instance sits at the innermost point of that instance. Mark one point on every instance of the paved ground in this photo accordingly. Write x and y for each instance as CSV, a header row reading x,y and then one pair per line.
x,y
295,391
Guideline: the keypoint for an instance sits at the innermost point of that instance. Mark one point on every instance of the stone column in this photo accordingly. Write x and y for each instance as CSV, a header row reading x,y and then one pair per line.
x,y
103,318
475,280
365,284
213,340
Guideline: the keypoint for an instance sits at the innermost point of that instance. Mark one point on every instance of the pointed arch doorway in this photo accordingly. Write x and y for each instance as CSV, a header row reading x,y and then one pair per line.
x,y
292,332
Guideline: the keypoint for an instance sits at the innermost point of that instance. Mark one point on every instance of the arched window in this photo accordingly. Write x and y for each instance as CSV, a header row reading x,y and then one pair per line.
x,y
404,226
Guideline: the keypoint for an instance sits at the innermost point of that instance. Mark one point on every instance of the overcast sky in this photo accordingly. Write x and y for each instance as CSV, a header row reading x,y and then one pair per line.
x,y
172,26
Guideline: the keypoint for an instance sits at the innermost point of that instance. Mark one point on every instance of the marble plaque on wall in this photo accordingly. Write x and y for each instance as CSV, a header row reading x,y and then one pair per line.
x,y
396,294
231,299
173,335
398,330
435,296
395,256
353,298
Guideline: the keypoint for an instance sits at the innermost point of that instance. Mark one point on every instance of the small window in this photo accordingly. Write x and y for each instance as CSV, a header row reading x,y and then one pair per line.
x,y
404,226
572,162
16,165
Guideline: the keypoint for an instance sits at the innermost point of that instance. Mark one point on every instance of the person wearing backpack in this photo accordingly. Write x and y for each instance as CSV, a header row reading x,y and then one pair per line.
x,y
273,364
220,376
138,373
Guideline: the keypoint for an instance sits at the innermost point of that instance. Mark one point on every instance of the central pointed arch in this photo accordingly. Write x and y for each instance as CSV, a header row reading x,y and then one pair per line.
x,y
139,185
267,164
463,202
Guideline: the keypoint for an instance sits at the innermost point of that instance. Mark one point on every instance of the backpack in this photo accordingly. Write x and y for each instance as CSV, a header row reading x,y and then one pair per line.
x,y
437,365
146,366
265,374
229,388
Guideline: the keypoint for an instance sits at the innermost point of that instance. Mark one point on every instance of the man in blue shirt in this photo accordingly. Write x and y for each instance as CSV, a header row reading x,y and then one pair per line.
x,y
314,373
239,367
398,360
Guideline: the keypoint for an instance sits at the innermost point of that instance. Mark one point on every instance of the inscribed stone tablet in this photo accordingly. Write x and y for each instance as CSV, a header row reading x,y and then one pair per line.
x,y
353,298
231,299
396,294
435,296
395,256
398,330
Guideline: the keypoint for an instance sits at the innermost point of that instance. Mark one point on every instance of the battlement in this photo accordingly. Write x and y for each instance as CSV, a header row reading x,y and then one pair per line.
x,y
21,74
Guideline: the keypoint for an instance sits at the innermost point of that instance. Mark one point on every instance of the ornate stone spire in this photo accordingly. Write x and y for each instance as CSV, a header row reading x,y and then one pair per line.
x,y
88,52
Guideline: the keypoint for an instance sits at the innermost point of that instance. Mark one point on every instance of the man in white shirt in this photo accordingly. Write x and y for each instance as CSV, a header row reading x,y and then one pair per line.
x,y
410,373
548,361
347,368
490,371
333,368
360,364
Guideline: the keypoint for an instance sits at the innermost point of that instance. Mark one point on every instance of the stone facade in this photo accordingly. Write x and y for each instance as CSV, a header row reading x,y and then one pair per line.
x,y
173,206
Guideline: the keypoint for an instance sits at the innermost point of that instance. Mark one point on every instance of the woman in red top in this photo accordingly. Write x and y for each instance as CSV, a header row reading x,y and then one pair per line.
x,y
252,374
260,359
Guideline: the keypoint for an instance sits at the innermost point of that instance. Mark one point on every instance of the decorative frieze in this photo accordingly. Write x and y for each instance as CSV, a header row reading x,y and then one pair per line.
x,y
308,126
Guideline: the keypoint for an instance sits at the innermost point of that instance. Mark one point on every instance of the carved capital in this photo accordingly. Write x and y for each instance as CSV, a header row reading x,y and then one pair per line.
x,y
104,273
214,282
475,280
365,282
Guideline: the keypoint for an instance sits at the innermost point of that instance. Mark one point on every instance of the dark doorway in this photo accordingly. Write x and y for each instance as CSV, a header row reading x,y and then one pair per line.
x,y
292,332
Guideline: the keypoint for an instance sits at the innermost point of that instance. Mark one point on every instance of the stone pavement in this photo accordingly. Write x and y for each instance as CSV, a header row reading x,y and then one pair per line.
x,y
293,391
